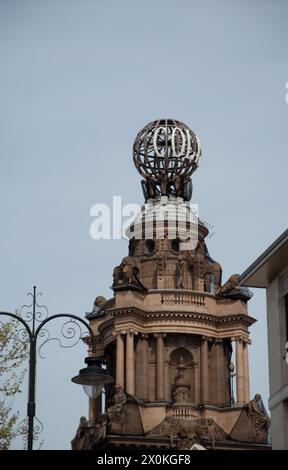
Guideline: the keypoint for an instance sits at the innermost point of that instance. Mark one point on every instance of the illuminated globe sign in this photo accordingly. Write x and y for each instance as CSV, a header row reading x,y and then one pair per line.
x,y
166,153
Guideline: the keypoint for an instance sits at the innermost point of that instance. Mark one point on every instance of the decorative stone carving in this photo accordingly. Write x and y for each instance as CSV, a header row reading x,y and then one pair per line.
x,y
149,188
233,290
180,392
180,377
88,434
256,412
98,305
126,275
190,430
231,285
116,411
252,424
179,275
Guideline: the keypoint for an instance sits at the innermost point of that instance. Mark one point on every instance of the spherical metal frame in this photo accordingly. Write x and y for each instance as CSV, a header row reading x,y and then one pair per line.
x,y
166,146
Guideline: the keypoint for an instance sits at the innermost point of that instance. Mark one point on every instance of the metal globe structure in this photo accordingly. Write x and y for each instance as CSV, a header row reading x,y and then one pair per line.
x,y
166,146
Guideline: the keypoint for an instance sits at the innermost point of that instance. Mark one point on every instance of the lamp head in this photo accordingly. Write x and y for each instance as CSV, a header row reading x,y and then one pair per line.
x,y
93,377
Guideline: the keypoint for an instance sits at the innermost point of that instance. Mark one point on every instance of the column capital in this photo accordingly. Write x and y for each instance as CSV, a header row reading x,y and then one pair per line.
x,y
218,340
143,335
160,335
206,338
118,333
130,331
239,339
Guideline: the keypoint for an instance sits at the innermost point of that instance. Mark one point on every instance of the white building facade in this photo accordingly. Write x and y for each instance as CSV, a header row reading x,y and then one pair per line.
x,y
270,271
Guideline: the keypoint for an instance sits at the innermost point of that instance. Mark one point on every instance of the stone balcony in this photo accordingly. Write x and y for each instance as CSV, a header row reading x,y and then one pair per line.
x,y
179,300
184,411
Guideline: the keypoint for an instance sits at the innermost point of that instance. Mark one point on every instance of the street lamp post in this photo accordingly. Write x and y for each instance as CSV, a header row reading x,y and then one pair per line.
x,y
93,377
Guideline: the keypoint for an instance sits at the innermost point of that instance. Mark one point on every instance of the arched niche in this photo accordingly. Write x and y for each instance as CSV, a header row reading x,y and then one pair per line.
x,y
186,356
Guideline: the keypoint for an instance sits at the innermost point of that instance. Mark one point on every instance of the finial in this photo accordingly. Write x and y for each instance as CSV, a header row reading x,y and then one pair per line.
x,y
166,152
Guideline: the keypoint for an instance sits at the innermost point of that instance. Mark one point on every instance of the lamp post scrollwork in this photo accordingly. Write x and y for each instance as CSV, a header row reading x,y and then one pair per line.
x,y
33,318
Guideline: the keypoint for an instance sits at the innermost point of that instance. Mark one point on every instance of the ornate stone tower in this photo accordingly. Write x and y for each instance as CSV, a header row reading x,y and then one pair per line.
x,y
168,332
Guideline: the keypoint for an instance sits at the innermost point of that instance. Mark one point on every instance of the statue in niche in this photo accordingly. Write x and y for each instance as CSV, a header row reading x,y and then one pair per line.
x,y
180,377
179,275
180,392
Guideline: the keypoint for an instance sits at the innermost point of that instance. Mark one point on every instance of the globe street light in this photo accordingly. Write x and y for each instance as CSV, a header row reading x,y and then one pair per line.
x,y
93,377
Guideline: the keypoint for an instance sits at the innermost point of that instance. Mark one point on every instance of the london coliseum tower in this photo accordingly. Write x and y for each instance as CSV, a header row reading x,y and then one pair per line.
x,y
168,333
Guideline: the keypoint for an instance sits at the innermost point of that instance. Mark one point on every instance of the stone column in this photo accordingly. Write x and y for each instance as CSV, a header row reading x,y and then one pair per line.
x,y
120,379
130,363
204,370
240,371
142,367
159,366
166,380
196,382
246,371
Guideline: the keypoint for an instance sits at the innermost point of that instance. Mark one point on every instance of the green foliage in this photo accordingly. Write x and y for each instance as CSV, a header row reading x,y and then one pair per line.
x,y
13,353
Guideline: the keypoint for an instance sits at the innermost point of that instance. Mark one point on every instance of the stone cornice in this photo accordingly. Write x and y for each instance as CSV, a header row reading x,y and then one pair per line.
x,y
209,318
119,320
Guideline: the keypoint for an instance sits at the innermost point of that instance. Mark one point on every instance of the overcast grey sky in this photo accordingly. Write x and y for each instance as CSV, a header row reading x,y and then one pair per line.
x,y
78,80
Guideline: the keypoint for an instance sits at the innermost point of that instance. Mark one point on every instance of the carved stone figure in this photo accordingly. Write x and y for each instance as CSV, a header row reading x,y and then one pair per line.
x,y
164,180
127,274
181,394
233,290
180,389
190,430
182,187
180,377
151,187
231,285
116,411
179,185
88,434
97,306
257,413
78,442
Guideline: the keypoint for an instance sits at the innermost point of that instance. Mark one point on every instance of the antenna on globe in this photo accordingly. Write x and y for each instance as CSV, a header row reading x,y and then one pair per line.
x,y
166,152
